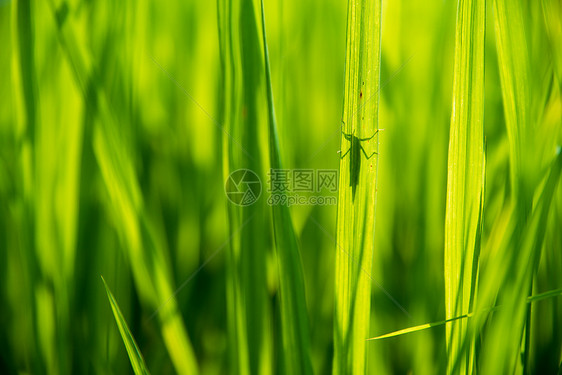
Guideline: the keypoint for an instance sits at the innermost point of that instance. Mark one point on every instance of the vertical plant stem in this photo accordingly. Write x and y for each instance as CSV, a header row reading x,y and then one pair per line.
x,y
465,182
25,97
510,337
248,304
294,316
357,186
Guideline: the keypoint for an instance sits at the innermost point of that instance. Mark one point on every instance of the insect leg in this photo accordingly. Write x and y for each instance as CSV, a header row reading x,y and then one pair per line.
x,y
365,153
346,135
347,152
369,138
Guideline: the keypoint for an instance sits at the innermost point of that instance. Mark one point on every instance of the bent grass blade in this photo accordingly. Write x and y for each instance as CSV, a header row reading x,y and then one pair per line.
x,y
135,355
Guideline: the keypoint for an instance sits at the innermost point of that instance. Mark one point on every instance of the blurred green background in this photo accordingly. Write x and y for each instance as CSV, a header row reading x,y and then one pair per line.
x,y
111,164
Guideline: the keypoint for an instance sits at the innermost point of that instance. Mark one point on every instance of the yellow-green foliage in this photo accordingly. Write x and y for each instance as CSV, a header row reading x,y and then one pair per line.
x,y
465,181
357,193
135,356
121,121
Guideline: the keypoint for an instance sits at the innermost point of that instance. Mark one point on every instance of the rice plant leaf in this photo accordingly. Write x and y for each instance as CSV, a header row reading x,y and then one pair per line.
x,y
515,261
135,355
294,316
151,272
553,23
24,71
26,103
512,272
421,327
357,186
249,317
513,60
465,183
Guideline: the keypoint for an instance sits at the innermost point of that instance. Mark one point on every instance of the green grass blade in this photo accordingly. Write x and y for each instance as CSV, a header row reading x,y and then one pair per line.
x,y
551,10
515,261
135,355
294,317
25,99
465,184
23,67
513,59
357,187
146,254
512,272
111,122
249,321
545,295
422,327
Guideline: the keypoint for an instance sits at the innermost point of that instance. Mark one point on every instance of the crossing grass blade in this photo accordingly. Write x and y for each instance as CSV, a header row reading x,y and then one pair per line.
x,y
249,321
135,355
294,316
357,187
465,181
508,276
422,327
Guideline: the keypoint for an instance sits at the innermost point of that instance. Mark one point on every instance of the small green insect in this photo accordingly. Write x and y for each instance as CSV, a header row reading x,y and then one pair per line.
x,y
355,158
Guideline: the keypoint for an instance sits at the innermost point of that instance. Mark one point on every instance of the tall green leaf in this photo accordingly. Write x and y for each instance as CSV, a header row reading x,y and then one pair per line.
x,y
144,249
357,186
294,317
513,59
465,182
250,339
511,272
25,98
515,257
